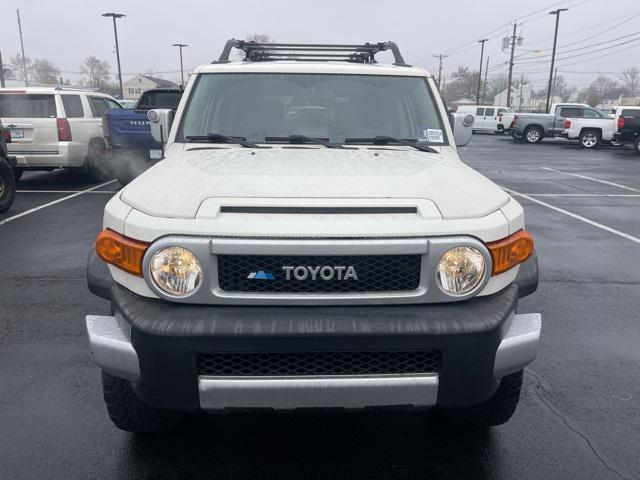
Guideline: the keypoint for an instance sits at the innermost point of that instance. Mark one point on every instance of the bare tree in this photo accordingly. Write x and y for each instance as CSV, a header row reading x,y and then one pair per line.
x,y
464,83
43,71
17,67
631,80
601,88
258,38
95,72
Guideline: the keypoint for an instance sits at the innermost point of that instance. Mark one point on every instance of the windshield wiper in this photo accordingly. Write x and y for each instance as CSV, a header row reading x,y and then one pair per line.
x,y
301,139
219,138
386,140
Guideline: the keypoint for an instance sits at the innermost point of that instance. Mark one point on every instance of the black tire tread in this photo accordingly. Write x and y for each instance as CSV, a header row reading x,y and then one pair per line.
x,y
533,127
584,132
131,414
6,200
636,145
495,411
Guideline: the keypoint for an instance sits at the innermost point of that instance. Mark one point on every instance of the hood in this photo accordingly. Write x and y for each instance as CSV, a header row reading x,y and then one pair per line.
x,y
177,187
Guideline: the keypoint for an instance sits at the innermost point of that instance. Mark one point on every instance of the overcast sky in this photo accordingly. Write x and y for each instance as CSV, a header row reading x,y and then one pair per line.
x,y
66,31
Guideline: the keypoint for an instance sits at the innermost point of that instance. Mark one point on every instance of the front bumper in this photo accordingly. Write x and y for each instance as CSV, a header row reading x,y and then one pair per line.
x,y
155,344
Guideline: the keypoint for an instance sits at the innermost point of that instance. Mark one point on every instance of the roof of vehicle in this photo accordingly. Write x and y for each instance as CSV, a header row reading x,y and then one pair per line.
x,y
52,90
161,82
286,66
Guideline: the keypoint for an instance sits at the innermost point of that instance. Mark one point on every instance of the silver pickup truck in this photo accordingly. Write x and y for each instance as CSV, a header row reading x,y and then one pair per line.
x,y
533,127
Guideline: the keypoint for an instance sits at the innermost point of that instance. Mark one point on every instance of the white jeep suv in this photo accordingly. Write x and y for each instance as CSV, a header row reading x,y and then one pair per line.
x,y
311,240
56,127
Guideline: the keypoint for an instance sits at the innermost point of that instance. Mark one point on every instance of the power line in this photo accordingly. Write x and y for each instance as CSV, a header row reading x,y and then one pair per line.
x,y
586,53
563,51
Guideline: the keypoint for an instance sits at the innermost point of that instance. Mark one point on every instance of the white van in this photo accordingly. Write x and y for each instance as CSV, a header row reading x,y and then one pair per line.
x,y
489,118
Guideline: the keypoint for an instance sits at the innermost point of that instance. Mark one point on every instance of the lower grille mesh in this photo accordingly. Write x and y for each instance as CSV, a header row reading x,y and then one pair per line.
x,y
318,363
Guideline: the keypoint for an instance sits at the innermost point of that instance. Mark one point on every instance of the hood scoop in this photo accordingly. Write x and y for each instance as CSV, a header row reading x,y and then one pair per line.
x,y
318,210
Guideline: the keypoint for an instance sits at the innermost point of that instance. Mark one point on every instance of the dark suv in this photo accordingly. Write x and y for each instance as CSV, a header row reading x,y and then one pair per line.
x,y
7,179
628,121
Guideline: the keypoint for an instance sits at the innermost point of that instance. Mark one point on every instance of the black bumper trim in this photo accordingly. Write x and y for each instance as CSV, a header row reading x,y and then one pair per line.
x,y
168,338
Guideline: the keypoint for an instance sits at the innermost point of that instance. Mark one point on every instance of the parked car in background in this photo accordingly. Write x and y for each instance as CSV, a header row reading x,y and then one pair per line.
x,y
533,127
590,129
7,179
128,134
627,123
57,127
489,118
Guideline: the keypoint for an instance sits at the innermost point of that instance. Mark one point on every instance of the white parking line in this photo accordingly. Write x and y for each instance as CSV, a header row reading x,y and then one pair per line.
x,y
599,195
573,215
606,182
66,191
68,197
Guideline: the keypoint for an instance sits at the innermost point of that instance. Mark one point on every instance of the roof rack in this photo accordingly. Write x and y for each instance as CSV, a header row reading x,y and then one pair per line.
x,y
264,52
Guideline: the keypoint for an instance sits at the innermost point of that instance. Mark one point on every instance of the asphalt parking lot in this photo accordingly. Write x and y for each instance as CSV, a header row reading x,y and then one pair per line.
x,y
579,415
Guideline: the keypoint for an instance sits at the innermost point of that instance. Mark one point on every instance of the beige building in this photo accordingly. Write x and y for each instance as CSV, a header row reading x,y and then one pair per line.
x,y
135,86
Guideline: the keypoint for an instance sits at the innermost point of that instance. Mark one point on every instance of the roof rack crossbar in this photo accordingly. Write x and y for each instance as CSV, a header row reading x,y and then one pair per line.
x,y
256,52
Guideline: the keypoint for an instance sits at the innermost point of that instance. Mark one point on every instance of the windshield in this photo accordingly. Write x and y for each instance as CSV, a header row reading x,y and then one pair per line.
x,y
255,106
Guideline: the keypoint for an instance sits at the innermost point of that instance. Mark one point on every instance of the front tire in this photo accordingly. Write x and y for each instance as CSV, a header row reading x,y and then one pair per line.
x,y
636,146
533,135
495,411
131,414
17,174
589,139
7,186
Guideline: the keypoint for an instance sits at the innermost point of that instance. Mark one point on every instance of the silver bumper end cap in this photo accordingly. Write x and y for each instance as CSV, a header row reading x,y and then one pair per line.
x,y
111,348
287,393
519,346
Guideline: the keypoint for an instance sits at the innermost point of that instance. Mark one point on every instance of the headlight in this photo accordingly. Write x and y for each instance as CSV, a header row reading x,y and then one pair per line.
x,y
460,270
176,271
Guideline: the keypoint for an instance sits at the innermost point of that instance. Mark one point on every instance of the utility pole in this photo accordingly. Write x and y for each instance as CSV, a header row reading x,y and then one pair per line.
x,y
553,55
484,87
480,71
115,16
521,84
513,42
2,84
24,60
440,58
181,46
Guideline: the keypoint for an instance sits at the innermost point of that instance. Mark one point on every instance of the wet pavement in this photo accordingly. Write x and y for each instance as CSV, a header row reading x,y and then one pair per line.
x,y
579,416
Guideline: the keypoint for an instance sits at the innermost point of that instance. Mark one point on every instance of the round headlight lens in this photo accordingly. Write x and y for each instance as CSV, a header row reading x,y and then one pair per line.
x,y
460,270
176,271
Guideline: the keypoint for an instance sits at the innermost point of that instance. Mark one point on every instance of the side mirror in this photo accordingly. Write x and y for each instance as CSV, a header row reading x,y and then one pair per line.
x,y
160,120
462,125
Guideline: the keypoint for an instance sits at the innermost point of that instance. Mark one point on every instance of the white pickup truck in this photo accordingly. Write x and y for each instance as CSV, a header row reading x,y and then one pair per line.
x,y
311,240
589,126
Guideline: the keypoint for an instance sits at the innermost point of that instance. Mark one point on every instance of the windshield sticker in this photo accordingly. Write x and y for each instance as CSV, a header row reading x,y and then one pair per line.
x,y
431,135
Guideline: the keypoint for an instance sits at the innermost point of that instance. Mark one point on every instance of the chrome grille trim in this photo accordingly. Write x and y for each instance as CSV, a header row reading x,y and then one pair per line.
x,y
207,249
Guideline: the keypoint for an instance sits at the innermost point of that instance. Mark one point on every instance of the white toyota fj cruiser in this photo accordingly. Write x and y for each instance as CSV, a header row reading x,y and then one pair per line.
x,y
311,240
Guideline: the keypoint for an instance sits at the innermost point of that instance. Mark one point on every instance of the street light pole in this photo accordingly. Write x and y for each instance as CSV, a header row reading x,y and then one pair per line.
x,y
181,46
480,72
553,55
115,16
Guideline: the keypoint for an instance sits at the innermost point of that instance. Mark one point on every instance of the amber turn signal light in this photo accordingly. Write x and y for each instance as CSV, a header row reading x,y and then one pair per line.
x,y
120,251
510,251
